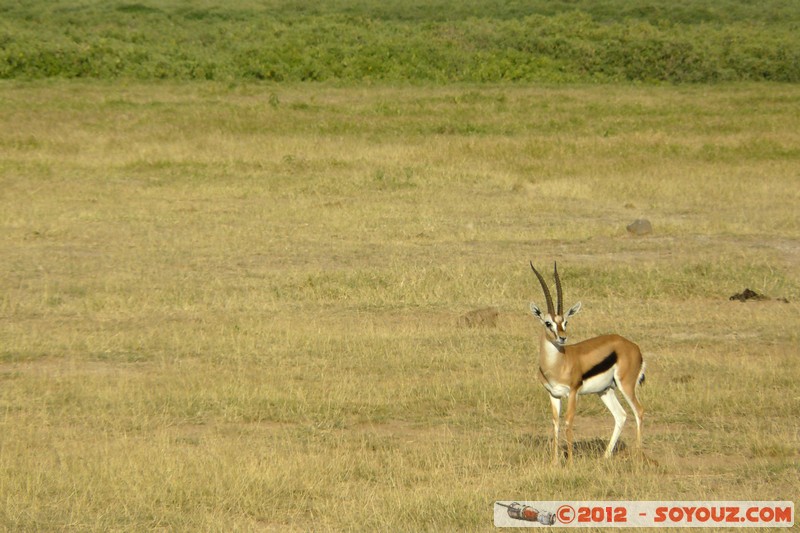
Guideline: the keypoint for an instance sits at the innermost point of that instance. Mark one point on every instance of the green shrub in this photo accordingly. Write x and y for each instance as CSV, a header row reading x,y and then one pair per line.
x,y
425,41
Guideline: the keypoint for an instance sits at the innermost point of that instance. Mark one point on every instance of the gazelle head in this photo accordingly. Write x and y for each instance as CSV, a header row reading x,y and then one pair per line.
x,y
554,320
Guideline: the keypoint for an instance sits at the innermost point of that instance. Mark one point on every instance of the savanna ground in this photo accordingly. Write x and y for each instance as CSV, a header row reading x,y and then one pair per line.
x,y
236,306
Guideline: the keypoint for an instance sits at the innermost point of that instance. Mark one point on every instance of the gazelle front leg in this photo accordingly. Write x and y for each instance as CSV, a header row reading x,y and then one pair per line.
x,y
572,401
555,404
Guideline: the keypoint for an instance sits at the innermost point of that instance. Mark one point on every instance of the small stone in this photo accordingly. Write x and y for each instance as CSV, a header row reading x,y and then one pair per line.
x,y
639,227
480,318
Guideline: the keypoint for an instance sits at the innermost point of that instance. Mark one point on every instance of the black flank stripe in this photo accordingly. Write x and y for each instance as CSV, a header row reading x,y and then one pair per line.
x,y
602,366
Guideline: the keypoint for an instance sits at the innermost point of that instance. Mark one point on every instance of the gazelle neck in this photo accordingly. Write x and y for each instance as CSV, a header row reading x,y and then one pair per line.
x,y
550,353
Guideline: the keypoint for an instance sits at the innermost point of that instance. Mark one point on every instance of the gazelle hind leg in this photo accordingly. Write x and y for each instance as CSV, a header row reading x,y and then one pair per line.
x,y
629,392
610,400
555,404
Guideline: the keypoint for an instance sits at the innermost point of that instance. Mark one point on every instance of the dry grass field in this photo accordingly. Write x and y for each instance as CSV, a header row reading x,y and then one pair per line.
x,y
237,307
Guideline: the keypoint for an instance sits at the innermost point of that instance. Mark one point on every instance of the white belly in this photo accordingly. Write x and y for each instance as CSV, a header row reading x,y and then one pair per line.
x,y
593,385
599,383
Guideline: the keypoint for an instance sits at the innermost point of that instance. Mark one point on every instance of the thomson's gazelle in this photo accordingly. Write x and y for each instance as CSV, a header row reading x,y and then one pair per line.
x,y
594,366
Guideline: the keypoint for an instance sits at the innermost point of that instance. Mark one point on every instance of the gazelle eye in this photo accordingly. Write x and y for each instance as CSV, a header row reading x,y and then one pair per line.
x,y
548,324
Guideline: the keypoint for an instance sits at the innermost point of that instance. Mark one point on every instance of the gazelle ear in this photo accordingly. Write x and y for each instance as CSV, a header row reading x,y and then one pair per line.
x,y
573,310
537,312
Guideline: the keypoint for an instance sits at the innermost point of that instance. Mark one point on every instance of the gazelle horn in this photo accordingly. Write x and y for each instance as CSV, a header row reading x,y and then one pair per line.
x,y
559,294
546,291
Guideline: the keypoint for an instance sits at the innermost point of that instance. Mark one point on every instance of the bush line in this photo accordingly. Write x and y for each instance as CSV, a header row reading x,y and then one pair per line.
x,y
365,41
